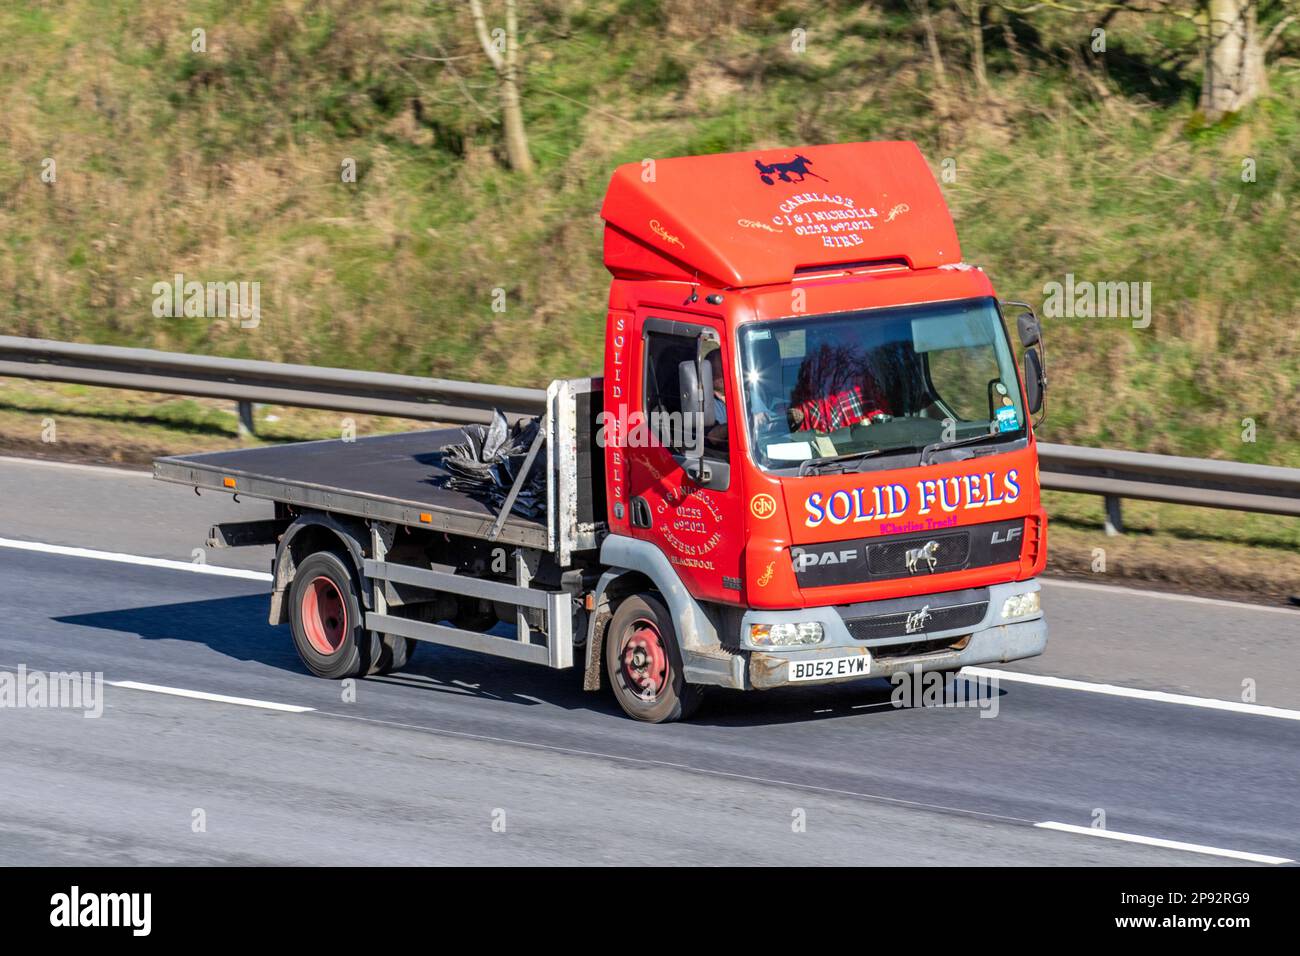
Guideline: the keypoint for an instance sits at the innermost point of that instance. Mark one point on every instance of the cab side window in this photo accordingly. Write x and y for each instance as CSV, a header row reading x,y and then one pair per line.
x,y
663,402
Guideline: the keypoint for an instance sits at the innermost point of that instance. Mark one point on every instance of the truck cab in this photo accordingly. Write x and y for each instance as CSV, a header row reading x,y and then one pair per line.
x,y
818,441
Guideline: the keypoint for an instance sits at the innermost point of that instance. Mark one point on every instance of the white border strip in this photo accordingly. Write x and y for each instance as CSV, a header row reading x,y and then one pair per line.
x,y
214,698
69,552
1159,696
1166,844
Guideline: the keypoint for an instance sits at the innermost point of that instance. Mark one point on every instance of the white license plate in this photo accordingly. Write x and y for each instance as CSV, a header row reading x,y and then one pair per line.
x,y
828,667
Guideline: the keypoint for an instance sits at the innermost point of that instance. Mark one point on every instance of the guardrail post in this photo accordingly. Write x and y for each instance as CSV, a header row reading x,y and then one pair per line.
x,y
1114,515
247,426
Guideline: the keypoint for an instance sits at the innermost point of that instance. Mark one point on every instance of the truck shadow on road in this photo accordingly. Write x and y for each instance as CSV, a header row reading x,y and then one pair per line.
x,y
236,628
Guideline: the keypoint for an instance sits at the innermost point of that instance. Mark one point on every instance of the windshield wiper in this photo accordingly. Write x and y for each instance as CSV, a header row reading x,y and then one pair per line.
x,y
813,466
939,446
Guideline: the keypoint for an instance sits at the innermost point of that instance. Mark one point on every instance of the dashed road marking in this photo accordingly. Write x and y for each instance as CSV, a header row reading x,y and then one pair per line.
x,y
70,552
1136,693
214,698
1166,844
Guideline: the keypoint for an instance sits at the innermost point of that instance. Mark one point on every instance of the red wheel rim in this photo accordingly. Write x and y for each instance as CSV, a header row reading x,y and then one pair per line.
x,y
644,659
324,615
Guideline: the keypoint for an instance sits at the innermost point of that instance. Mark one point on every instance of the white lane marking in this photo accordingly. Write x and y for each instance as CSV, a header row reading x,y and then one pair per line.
x,y
70,552
1165,595
76,466
203,695
1167,844
1137,693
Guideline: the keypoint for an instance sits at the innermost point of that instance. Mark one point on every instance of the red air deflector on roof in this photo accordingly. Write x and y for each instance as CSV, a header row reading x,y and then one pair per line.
x,y
748,219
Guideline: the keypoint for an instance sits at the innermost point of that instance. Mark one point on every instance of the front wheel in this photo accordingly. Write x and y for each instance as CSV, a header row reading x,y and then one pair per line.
x,y
644,664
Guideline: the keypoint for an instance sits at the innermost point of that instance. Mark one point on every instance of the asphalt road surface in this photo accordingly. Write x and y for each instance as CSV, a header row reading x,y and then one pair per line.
x,y
463,759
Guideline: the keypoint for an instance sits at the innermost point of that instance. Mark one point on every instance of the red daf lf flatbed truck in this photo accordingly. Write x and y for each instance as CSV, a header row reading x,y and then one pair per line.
x,y
810,458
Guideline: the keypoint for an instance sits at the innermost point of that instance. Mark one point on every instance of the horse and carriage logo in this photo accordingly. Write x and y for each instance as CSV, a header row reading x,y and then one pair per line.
x,y
771,172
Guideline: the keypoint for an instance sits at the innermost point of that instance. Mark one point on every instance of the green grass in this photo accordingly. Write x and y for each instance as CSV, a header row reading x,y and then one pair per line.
x,y
1146,519
225,165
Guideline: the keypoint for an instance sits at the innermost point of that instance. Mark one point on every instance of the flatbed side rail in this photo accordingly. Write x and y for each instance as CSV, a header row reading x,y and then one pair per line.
x,y
556,606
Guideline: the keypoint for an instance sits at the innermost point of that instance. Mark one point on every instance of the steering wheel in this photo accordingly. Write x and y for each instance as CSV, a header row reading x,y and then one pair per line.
x,y
774,424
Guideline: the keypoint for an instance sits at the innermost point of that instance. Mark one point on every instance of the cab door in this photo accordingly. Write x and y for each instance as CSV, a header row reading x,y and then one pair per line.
x,y
683,490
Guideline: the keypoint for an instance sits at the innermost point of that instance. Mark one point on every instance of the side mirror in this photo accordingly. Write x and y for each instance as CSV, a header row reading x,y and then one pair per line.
x,y
1035,382
1031,333
695,401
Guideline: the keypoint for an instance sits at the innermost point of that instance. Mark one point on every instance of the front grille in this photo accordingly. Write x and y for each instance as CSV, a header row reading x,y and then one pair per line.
x,y
894,623
890,558
885,557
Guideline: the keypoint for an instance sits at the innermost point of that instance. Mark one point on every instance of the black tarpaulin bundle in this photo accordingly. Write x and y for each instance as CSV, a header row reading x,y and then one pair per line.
x,y
486,464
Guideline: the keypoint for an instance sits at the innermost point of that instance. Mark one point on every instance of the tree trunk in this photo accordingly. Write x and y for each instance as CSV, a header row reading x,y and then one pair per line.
x,y
922,10
975,14
506,65
1234,59
512,112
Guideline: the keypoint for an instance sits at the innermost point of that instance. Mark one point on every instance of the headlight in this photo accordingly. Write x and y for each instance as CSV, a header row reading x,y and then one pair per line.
x,y
1020,605
785,635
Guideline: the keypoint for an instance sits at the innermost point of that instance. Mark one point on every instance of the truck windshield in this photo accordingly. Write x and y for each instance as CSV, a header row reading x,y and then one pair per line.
x,y
881,381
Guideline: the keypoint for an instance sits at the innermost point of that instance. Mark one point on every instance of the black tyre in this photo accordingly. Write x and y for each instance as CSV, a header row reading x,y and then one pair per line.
x,y
644,664
327,621
394,654
474,615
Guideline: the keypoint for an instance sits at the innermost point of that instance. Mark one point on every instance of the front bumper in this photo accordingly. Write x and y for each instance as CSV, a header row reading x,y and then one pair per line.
x,y
990,640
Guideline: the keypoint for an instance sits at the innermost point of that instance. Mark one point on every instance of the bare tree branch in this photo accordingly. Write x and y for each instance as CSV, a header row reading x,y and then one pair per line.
x,y
1276,33
485,41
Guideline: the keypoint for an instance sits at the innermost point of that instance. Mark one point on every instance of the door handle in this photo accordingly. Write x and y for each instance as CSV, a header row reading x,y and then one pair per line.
x,y
640,513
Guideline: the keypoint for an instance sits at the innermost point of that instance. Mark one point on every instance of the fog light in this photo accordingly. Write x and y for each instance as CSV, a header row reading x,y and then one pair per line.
x,y
1020,605
786,635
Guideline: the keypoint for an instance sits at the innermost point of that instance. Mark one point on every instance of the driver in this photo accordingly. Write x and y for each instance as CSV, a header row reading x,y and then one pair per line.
x,y
836,389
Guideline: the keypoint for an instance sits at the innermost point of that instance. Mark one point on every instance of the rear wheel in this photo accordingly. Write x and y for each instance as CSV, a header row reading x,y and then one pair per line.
x,y
473,614
644,663
326,619
394,654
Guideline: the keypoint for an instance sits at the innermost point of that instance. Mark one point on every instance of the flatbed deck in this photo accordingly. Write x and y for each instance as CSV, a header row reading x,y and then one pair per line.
x,y
395,478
